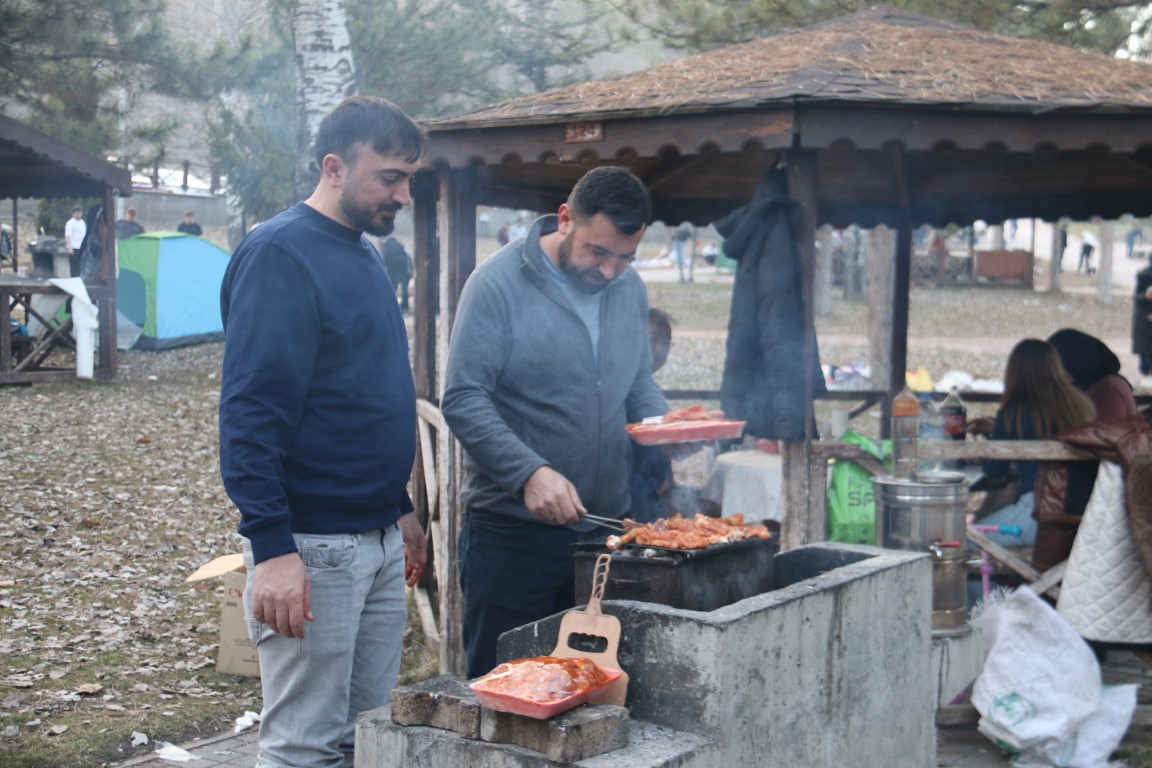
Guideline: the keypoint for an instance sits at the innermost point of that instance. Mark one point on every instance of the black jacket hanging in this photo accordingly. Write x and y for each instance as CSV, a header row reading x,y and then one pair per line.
x,y
763,380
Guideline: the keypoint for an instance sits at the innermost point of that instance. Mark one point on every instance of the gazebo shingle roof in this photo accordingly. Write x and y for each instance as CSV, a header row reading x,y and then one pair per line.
x,y
881,55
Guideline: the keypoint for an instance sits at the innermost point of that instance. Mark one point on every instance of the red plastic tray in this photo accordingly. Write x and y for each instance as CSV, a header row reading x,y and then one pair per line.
x,y
541,710
685,431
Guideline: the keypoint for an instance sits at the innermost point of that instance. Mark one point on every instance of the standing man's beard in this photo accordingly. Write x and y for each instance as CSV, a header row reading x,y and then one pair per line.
x,y
586,280
366,220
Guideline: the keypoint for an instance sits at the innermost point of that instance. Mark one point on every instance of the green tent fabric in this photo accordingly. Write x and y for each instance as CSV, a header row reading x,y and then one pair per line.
x,y
169,285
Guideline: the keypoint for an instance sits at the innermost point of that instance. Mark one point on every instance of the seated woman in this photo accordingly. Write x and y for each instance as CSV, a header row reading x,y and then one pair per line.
x,y
1039,402
1067,486
1095,369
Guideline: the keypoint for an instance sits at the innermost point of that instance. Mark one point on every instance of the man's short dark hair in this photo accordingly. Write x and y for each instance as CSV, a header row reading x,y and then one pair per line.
x,y
615,192
76,208
371,120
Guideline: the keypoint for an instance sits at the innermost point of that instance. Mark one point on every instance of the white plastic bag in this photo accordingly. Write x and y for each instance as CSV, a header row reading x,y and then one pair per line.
x,y
1040,691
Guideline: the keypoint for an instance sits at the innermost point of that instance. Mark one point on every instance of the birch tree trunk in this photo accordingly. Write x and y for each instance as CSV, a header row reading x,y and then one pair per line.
x,y
325,75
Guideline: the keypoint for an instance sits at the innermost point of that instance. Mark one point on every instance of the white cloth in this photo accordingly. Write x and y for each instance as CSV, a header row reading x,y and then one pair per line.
x,y
747,482
1106,593
84,323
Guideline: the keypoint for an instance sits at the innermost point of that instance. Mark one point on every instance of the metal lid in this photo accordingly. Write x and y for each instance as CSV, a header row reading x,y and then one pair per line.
x,y
939,477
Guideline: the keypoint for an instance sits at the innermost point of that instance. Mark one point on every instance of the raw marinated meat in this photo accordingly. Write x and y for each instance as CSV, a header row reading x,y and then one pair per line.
x,y
542,679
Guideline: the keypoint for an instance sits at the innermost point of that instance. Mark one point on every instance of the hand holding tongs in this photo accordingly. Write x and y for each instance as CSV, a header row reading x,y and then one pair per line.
x,y
613,523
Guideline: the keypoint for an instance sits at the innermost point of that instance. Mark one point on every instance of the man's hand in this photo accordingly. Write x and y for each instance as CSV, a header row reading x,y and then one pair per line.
x,y
981,426
281,595
415,552
551,499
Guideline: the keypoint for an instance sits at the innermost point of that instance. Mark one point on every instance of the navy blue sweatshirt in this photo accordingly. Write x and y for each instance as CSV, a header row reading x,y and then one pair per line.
x,y
317,404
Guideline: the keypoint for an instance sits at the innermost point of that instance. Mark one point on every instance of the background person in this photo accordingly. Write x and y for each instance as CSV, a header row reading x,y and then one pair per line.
x,y
1064,488
7,245
1133,236
1040,401
189,226
399,266
1095,369
74,231
549,361
128,226
317,440
1089,242
680,255
1142,319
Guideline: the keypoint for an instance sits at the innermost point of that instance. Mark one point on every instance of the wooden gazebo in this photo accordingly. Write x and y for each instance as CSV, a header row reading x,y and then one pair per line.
x,y
883,117
35,165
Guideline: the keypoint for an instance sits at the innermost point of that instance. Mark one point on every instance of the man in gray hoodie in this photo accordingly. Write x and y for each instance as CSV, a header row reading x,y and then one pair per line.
x,y
549,361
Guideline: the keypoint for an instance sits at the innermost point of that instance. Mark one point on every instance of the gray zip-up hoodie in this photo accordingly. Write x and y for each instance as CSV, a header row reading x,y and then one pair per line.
x,y
522,389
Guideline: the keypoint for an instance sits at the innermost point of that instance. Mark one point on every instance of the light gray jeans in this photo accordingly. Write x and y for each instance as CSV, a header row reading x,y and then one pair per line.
x,y
349,658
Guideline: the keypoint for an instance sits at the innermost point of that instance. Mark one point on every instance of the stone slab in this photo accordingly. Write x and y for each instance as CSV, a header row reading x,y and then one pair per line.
x,y
443,702
570,736
381,743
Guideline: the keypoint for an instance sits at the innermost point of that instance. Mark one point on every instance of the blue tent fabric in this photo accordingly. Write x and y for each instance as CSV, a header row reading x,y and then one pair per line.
x,y
169,284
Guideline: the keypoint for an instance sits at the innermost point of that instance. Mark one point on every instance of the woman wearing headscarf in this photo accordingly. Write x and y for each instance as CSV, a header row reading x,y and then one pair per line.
x,y
1095,369
1064,488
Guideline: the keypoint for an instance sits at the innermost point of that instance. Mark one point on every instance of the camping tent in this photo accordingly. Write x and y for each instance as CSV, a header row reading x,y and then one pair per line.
x,y
169,285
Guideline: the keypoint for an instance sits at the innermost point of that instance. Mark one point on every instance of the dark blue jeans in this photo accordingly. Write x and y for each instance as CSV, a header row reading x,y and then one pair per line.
x,y
512,572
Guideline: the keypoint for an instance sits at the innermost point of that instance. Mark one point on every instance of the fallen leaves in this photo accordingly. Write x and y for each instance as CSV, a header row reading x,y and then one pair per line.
x,y
98,528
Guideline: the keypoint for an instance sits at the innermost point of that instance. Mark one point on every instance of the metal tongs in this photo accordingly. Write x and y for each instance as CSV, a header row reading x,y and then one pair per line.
x,y
613,523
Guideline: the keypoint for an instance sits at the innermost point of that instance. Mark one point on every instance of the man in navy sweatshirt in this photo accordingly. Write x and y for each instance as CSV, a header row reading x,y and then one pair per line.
x,y
317,439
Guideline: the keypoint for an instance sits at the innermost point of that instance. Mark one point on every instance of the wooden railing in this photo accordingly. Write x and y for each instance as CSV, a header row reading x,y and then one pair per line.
x,y
443,626
428,419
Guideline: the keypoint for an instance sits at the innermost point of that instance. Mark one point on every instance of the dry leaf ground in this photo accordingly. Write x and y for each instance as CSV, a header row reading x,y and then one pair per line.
x,y
111,496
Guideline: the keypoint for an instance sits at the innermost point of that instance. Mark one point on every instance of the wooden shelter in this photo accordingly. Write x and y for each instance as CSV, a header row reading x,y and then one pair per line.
x,y
883,117
35,165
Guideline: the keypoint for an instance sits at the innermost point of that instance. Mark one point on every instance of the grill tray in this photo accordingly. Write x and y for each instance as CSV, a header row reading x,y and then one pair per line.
x,y
695,579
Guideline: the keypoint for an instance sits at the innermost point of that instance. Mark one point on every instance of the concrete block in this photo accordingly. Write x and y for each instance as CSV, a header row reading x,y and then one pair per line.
x,y
800,675
443,702
381,743
570,736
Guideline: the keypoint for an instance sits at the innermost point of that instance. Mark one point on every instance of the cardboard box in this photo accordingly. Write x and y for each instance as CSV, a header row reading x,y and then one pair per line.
x,y
237,654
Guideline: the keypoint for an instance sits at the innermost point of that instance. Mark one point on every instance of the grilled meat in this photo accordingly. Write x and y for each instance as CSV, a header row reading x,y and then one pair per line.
x,y
677,532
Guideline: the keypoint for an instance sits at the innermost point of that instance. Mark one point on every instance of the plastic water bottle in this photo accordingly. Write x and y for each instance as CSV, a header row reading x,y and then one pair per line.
x,y
905,434
931,428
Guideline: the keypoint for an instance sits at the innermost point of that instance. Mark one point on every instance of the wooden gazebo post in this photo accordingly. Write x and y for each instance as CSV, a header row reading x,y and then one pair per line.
x,y
103,293
457,211
804,479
